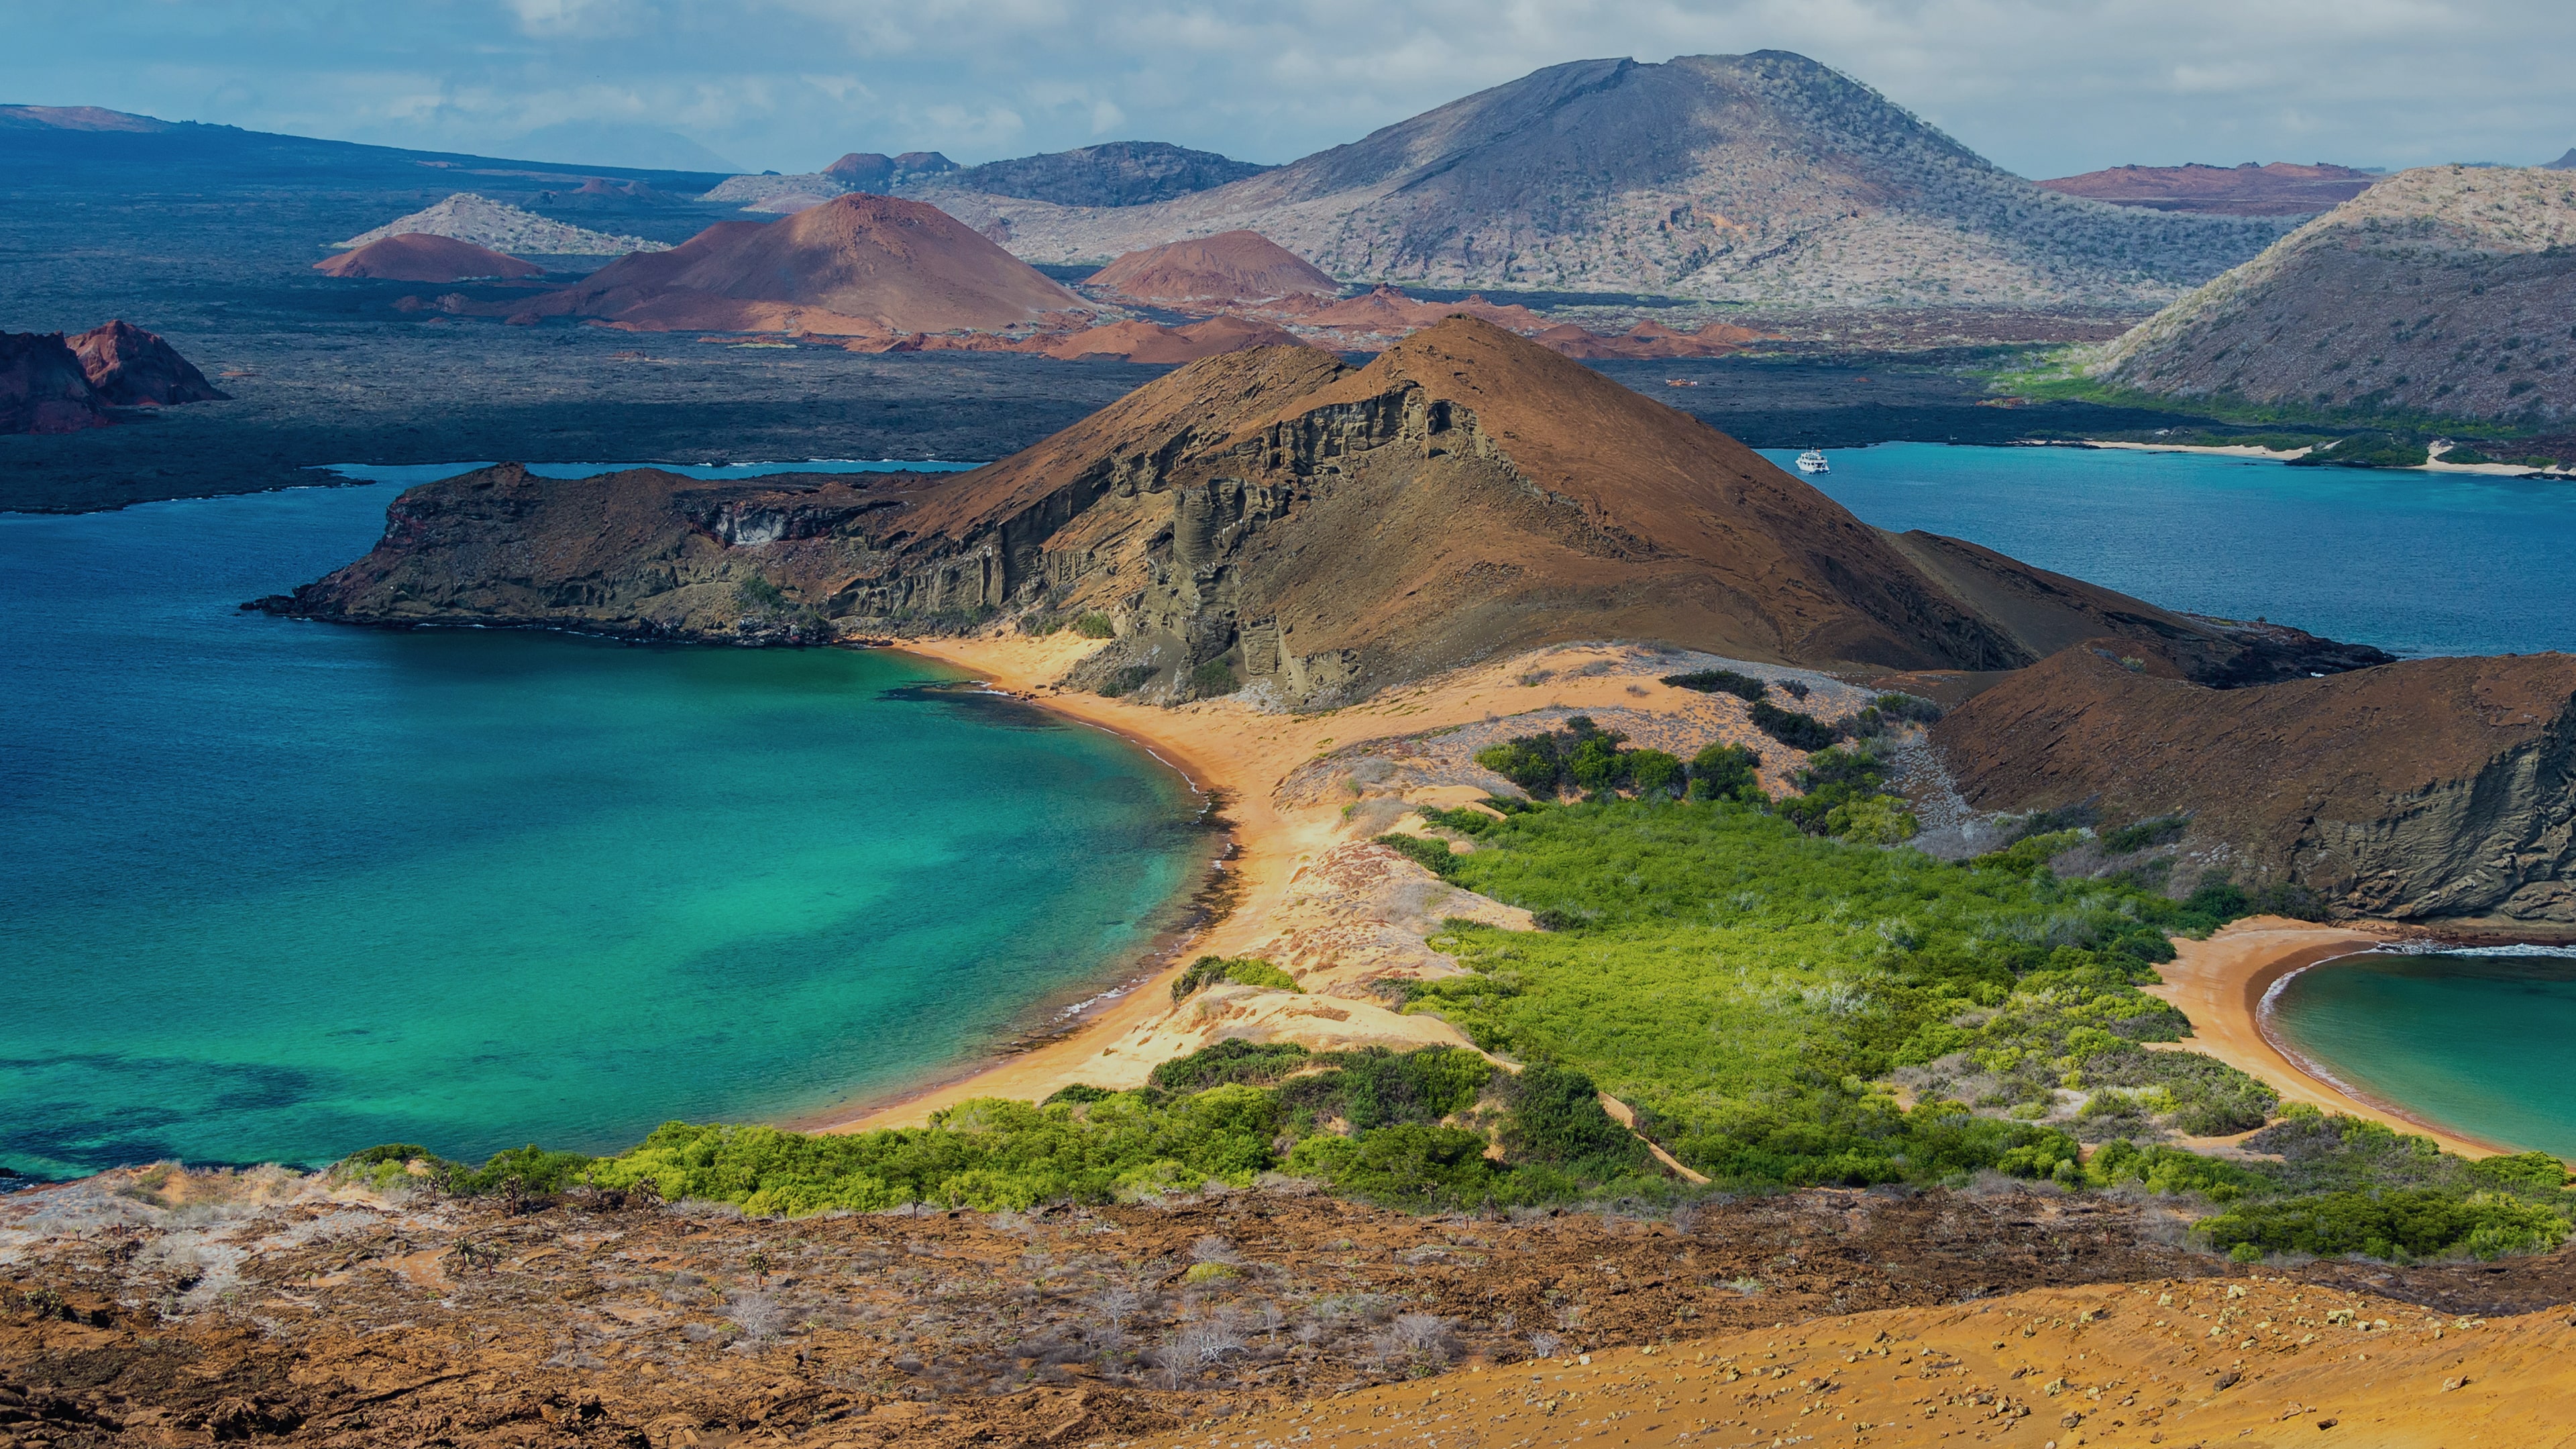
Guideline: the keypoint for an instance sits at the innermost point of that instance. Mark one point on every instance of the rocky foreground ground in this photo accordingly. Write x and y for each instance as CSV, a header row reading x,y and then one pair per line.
x,y
158,1306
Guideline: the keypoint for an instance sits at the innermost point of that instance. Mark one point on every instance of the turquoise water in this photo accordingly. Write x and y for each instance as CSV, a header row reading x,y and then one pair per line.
x,y
2484,1045
2416,563
278,890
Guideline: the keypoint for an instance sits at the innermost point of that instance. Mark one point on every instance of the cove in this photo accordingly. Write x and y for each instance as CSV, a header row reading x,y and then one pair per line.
x,y
2416,563
278,891
2482,1044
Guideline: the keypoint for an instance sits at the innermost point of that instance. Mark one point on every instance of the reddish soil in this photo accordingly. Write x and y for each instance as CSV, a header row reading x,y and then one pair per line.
x,y
857,264
1146,342
164,1315
420,257
1648,339
2279,189
1387,312
1234,268
2423,788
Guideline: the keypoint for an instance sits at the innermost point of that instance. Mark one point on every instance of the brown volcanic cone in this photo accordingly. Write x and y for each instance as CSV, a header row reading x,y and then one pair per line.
x,y
43,388
134,368
419,257
857,263
1231,267
1325,530
2427,788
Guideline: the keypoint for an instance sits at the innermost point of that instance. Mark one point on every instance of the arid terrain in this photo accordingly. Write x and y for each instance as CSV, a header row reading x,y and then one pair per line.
x,y
2444,290
2282,188
156,1307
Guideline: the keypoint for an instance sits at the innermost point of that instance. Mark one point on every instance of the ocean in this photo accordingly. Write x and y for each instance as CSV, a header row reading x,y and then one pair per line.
x,y
279,890
2483,1044
2416,563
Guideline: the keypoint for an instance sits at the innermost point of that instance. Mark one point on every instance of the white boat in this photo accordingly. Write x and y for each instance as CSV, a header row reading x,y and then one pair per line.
x,y
1812,461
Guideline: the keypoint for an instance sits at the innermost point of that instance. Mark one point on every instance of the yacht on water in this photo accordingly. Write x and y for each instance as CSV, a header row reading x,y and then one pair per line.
x,y
1813,461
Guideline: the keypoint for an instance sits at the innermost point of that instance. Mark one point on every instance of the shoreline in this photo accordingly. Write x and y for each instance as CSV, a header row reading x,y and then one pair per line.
x,y
2221,984
1259,844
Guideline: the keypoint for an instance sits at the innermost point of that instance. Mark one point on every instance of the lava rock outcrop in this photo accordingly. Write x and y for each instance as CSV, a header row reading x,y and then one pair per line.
x,y
419,257
134,368
43,388
2428,789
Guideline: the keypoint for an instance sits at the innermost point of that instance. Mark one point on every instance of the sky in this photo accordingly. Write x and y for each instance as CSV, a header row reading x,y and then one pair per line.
x,y
2041,87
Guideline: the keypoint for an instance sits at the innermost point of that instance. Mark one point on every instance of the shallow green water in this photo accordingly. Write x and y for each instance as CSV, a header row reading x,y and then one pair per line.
x,y
280,890
2484,1045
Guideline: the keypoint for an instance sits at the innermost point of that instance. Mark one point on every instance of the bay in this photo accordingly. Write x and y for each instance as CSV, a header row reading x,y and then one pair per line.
x,y
278,890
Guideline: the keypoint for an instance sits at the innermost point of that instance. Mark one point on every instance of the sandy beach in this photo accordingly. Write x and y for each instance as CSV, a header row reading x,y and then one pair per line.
x,y
2219,983
1227,746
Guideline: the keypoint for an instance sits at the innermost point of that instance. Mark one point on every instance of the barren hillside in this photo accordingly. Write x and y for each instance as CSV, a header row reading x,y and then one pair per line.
x,y
2448,290
1762,177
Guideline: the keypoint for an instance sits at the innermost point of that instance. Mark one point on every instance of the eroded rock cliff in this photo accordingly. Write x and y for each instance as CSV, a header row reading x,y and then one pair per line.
x,y
2431,788
1271,519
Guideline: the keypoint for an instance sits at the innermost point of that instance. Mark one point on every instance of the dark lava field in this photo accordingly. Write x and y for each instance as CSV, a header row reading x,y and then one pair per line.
x,y
210,240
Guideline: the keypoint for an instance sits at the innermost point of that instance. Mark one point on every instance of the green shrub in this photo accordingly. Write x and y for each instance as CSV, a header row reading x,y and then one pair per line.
x,y
1432,855
2145,834
1078,1095
1213,679
1259,1064
2393,1223
1720,681
1907,708
2367,450
1725,772
757,592
1126,680
530,1170
1557,1118
1095,625
1245,970
1797,731
1653,773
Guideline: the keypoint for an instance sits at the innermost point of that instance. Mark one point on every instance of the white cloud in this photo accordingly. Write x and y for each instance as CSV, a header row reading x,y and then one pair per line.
x,y
2042,86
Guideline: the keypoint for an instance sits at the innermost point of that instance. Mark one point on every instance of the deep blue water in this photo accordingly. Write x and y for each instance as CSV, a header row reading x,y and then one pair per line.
x,y
279,890
2416,563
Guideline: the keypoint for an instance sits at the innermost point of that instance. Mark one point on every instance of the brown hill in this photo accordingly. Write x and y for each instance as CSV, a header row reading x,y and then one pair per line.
x,y
43,388
1754,178
1147,342
419,257
1648,339
876,171
134,368
1385,311
1231,268
2438,291
855,264
2281,188
2427,788
1321,530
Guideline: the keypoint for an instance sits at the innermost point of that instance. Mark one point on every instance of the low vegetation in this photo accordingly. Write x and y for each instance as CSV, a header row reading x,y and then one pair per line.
x,y
1761,994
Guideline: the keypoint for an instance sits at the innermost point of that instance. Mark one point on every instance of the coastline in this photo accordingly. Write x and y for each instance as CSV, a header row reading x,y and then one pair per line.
x,y
1243,754
2220,983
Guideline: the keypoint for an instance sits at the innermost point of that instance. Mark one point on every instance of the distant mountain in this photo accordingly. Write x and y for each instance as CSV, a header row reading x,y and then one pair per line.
x,y
856,265
2281,188
2563,163
421,257
1119,173
502,227
80,118
2446,290
873,171
1231,268
1763,177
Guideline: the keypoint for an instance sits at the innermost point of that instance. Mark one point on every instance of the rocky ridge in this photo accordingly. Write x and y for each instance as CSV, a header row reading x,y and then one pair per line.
x,y
43,388
1318,530
1756,178
134,368
2446,291
2281,188
2427,789
503,228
